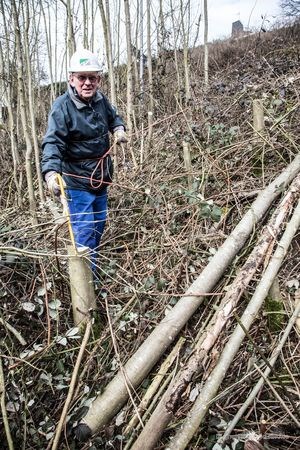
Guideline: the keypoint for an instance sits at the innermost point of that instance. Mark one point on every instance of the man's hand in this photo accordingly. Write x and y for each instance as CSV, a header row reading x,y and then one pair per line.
x,y
52,183
120,137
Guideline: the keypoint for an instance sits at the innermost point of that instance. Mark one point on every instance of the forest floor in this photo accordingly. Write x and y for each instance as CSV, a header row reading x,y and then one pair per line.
x,y
164,226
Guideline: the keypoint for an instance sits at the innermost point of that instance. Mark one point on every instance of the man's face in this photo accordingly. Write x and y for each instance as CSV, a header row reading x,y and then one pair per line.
x,y
86,84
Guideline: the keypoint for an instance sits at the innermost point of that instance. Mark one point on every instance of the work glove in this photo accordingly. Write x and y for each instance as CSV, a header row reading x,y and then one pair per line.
x,y
52,183
120,137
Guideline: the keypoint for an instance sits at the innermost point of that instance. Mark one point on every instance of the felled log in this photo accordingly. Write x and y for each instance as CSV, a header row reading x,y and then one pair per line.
x,y
209,390
152,389
106,405
172,398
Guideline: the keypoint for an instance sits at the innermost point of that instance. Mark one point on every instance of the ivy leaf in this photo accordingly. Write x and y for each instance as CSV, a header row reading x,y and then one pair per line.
x,y
216,213
73,333
55,304
43,289
120,418
28,306
61,340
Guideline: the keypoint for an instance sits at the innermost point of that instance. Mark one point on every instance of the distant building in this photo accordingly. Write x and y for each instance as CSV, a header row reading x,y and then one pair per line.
x,y
237,28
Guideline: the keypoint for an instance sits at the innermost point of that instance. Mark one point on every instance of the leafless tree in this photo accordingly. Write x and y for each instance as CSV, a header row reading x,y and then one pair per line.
x,y
105,17
290,7
30,89
150,74
7,99
71,43
130,112
185,10
48,37
129,69
85,23
205,43
24,111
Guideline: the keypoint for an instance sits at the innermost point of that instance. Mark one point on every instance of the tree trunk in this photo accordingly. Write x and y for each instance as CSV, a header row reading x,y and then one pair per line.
x,y
150,76
135,52
92,37
24,115
129,80
49,51
55,49
141,71
105,17
71,44
17,171
85,19
179,95
205,43
129,69
31,97
117,43
185,42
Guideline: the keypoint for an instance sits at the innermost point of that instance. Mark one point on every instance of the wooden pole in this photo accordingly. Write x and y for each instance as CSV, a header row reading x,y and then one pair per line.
x,y
82,284
187,162
258,116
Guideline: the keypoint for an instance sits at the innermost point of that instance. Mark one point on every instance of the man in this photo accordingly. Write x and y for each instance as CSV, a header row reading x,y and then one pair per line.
x,y
76,146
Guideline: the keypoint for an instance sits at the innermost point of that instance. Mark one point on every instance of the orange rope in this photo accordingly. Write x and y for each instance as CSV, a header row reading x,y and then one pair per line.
x,y
93,180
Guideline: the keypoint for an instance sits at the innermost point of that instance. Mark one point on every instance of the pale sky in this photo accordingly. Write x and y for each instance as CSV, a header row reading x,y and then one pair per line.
x,y
221,14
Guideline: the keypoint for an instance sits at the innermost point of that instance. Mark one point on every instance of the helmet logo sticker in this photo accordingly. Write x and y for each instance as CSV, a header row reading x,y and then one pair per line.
x,y
84,61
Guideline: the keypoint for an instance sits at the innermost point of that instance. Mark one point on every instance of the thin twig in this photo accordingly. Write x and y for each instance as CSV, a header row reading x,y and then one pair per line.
x,y
72,386
126,380
13,331
250,398
278,396
3,409
267,363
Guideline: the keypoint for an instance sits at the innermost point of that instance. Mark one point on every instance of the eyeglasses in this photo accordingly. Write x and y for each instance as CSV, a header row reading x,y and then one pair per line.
x,y
82,78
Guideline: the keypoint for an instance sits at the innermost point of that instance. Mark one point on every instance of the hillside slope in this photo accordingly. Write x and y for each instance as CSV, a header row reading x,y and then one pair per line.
x,y
164,225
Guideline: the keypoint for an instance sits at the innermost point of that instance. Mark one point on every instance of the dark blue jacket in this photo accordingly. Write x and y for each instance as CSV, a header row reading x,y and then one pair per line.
x,y
77,140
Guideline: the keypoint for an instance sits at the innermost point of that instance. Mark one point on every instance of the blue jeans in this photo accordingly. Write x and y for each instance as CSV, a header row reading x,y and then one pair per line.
x,y
88,213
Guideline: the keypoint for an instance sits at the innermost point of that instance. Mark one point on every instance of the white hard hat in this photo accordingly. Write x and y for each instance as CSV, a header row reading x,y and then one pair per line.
x,y
84,61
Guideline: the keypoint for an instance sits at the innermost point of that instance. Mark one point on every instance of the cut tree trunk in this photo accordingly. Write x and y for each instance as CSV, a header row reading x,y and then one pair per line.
x,y
82,286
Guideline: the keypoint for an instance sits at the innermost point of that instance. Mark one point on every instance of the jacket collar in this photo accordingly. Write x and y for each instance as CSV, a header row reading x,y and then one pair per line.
x,y
80,104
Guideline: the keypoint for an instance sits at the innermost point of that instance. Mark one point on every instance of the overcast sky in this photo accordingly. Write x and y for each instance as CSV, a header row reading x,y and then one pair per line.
x,y
221,14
